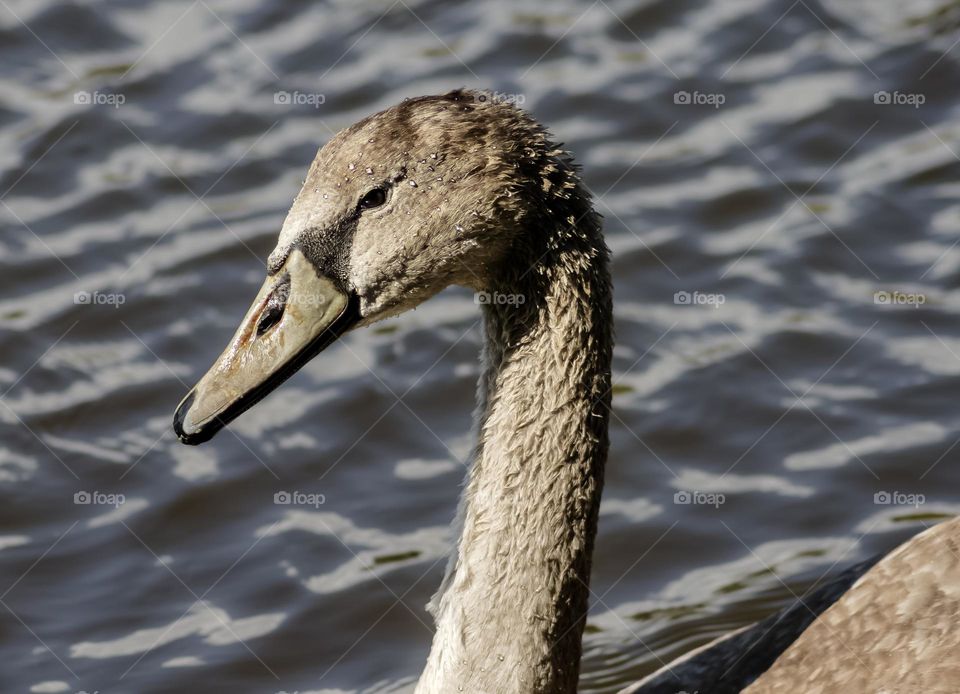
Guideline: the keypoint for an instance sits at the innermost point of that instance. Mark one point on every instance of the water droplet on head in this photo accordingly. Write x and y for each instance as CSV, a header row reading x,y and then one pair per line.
x,y
459,229
433,156
351,166
369,171
413,184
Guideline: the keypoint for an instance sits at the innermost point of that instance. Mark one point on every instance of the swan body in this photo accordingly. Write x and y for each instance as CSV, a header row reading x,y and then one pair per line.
x,y
894,631
462,189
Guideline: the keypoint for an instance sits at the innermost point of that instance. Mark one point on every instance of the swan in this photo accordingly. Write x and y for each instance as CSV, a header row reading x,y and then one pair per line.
x,y
463,189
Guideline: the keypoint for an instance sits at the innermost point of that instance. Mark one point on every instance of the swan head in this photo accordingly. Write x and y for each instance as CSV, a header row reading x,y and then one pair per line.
x,y
432,192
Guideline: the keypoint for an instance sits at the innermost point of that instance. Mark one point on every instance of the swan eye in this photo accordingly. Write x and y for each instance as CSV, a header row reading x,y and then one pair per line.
x,y
373,199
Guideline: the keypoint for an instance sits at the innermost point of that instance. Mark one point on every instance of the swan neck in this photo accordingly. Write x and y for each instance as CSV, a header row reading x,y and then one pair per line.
x,y
511,611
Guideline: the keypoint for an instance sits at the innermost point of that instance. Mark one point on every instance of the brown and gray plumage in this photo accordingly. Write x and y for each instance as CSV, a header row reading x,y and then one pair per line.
x,y
880,627
462,189
896,630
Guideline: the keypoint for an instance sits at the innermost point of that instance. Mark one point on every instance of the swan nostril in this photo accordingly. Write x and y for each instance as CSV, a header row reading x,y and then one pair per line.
x,y
269,318
273,311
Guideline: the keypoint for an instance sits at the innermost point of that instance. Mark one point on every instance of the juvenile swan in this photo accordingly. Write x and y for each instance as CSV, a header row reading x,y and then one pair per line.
x,y
460,189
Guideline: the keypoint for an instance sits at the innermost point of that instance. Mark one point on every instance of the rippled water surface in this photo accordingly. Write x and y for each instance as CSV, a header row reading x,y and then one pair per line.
x,y
787,309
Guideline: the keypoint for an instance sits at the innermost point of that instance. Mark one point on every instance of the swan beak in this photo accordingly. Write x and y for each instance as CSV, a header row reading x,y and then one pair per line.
x,y
296,315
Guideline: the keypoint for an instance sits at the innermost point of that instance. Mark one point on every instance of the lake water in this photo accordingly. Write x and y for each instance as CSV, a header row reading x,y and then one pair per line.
x,y
780,190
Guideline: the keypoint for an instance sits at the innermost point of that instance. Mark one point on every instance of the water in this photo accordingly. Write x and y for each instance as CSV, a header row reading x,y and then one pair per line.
x,y
782,389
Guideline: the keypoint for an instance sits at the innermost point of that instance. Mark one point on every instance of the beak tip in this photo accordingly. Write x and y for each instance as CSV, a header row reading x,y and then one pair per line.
x,y
186,430
190,438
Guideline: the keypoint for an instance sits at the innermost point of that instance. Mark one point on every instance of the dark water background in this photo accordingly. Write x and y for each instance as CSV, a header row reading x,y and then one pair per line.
x,y
798,398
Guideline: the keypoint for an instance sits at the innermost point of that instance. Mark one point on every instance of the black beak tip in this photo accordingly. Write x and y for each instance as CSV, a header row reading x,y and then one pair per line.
x,y
202,435
179,416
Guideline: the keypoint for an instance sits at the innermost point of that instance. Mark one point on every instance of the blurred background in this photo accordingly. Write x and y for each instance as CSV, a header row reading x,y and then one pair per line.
x,y
780,190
